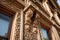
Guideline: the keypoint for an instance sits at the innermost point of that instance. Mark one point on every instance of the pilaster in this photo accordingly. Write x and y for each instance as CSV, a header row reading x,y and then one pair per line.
x,y
54,33
30,32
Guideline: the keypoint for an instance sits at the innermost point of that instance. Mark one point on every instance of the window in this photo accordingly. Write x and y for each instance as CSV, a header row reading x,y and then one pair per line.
x,y
44,34
4,24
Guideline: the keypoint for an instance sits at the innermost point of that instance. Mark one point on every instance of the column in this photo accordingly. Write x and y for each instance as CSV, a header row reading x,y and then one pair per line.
x,y
54,33
51,35
17,27
30,29
39,33
22,24
27,27
12,37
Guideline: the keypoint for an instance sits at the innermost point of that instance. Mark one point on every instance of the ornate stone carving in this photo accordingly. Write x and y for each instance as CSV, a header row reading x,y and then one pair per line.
x,y
31,25
17,28
29,30
46,7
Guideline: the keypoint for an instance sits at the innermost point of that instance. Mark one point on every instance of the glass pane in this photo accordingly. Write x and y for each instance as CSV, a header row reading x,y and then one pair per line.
x,y
4,24
44,34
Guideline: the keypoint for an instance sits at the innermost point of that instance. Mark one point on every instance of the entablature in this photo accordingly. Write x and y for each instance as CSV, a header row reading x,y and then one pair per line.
x,y
11,5
21,2
42,13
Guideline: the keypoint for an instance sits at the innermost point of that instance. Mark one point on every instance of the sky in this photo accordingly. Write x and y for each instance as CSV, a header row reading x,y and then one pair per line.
x,y
58,2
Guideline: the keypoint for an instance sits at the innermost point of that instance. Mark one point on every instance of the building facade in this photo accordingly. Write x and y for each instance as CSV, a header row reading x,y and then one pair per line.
x,y
29,17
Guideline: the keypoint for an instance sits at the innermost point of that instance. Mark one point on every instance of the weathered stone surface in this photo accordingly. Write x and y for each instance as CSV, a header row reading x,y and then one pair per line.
x,y
17,28
36,15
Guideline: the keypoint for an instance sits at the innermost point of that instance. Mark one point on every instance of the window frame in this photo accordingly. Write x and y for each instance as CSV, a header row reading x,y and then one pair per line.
x,y
9,13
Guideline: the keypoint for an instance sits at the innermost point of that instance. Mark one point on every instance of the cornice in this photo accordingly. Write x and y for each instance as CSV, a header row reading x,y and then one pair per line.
x,y
21,2
14,6
3,9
